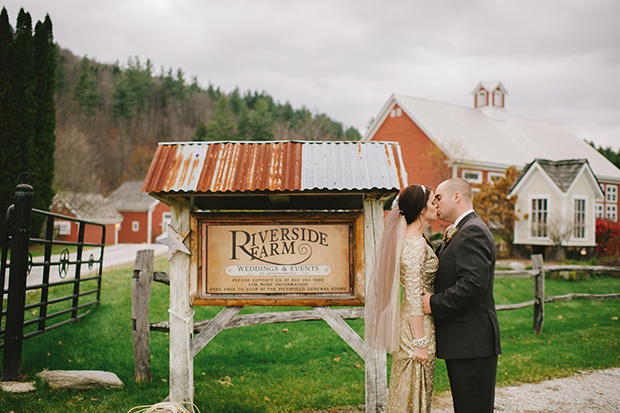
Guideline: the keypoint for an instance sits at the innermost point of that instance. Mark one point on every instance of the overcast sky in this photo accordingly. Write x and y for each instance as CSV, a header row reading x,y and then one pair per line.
x,y
558,59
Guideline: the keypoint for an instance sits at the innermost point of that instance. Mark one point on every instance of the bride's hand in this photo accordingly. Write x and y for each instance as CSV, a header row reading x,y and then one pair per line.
x,y
420,354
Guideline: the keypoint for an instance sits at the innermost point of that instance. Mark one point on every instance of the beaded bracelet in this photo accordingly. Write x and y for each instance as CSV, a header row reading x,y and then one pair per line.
x,y
420,342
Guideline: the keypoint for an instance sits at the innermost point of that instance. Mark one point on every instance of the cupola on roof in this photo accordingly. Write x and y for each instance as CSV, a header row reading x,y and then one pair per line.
x,y
489,94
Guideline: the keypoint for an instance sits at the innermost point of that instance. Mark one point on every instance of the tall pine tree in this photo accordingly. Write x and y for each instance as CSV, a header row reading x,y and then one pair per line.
x,y
25,104
27,112
45,122
9,155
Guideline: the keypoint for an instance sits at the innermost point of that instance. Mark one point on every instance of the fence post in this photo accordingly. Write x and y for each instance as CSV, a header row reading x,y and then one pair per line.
x,y
14,334
140,299
539,293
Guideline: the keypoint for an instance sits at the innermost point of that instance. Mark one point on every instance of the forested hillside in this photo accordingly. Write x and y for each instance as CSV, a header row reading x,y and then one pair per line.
x,y
109,119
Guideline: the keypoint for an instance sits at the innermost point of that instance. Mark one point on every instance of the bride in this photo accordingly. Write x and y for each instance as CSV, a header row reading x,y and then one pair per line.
x,y
406,258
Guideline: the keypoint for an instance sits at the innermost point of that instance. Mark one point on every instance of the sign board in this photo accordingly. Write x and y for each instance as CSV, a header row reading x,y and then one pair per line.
x,y
278,259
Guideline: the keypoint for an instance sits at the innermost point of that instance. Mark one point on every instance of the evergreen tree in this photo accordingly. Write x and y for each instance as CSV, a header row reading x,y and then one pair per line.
x,y
201,132
243,122
236,101
180,89
27,112
45,123
25,102
261,122
62,82
194,87
286,112
123,102
9,155
85,91
213,93
220,126
133,91
352,134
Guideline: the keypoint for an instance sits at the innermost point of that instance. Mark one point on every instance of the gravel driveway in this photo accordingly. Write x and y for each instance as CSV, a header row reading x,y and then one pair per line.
x,y
597,391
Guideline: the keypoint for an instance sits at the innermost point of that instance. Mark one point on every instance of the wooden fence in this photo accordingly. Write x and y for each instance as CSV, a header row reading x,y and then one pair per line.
x,y
144,275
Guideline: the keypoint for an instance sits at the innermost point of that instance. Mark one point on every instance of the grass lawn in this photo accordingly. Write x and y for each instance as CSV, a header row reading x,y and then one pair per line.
x,y
293,367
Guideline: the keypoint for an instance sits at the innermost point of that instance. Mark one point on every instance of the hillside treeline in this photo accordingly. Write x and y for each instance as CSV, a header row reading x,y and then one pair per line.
x,y
110,118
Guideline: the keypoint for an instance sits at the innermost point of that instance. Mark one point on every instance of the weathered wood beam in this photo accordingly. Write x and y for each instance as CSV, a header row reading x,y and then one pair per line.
x,y
140,300
247,320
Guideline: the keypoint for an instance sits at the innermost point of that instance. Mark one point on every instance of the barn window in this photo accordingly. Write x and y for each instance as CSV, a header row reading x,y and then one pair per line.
x,y
135,226
612,193
599,211
473,177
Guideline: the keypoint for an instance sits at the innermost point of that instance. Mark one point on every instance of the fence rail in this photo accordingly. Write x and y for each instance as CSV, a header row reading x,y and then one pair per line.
x,y
144,276
68,284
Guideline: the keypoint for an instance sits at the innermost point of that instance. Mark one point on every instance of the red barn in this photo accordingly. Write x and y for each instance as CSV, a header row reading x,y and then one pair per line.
x,y
441,140
144,217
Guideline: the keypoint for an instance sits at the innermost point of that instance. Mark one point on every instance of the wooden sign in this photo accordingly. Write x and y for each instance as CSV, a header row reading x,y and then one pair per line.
x,y
278,259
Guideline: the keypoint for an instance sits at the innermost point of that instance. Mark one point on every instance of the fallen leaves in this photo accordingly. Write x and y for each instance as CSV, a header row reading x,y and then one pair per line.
x,y
225,381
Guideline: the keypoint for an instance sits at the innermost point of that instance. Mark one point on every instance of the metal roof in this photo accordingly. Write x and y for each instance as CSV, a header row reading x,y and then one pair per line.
x,y
217,167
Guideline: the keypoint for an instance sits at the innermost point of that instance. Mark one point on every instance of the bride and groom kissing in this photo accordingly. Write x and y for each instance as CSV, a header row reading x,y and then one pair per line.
x,y
447,308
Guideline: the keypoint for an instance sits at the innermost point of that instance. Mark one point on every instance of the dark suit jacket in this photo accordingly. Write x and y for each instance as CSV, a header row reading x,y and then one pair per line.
x,y
463,304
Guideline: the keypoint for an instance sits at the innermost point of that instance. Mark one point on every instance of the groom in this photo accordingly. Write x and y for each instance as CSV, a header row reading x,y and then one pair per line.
x,y
463,305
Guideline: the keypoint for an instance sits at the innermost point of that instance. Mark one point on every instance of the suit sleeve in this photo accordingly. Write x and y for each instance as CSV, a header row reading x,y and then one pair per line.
x,y
474,266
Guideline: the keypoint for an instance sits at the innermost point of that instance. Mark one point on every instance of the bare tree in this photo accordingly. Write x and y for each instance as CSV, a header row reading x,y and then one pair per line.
x,y
559,230
76,162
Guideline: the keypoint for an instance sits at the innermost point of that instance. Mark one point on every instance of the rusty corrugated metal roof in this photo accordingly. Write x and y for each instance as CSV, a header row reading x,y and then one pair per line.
x,y
208,167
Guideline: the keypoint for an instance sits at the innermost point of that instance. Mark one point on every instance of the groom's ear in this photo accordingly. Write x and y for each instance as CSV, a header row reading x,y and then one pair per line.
x,y
457,197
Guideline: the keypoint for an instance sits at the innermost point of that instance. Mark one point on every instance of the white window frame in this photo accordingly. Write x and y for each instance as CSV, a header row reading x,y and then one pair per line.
x,y
579,218
497,98
166,219
491,175
611,193
532,222
393,113
481,98
611,212
135,226
599,211
477,180
62,227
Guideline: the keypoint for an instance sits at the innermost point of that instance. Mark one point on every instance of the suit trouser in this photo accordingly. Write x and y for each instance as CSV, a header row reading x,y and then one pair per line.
x,y
472,382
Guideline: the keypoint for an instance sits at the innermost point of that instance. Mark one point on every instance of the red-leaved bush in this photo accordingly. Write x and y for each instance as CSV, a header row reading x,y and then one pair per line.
x,y
607,238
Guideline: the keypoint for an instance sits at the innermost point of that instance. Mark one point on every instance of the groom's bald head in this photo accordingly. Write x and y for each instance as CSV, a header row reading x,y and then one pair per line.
x,y
453,197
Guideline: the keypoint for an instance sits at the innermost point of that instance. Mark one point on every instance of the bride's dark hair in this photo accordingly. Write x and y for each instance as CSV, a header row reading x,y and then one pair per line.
x,y
412,200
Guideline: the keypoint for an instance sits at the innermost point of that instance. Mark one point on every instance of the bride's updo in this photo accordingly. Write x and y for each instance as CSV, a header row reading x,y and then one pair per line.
x,y
412,200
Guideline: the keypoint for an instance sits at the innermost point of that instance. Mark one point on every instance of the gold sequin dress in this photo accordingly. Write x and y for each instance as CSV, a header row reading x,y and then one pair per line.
x,y
411,382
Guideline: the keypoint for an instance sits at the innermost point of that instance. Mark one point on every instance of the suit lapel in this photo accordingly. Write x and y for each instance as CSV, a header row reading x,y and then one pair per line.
x,y
444,243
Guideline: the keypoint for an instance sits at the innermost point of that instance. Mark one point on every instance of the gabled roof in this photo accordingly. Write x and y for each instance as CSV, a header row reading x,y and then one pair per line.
x,y
129,197
562,173
88,206
470,136
490,87
287,166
